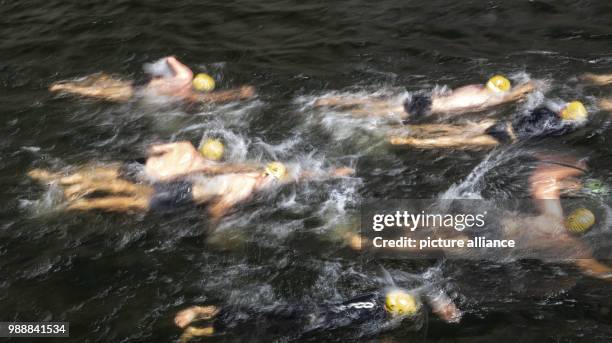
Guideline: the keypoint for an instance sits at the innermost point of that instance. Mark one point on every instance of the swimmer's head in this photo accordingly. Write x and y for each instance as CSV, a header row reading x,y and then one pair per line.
x,y
579,221
499,84
401,303
203,83
212,149
574,110
276,170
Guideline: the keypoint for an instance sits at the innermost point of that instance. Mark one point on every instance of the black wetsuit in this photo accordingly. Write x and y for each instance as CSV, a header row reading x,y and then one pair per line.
x,y
418,106
541,122
303,321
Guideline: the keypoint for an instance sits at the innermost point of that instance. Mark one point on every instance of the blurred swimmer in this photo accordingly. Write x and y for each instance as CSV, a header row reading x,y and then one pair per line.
x,y
111,190
470,98
541,122
169,78
381,310
550,233
552,228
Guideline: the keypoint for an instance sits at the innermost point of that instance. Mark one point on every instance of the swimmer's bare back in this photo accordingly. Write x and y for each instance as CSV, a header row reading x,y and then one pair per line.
x,y
170,161
475,98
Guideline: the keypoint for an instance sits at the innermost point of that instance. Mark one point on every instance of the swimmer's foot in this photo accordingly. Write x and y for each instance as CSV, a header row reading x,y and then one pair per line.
x,y
77,191
43,175
192,332
194,313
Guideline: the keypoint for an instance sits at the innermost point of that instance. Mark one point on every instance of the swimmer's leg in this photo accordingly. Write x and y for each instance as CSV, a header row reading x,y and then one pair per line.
x,y
194,313
100,86
116,186
111,203
89,180
450,129
599,80
91,175
606,104
382,108
455,141
192,332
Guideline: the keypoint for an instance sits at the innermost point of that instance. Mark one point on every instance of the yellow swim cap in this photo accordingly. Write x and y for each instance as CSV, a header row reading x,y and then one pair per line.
x,y
499,84
575,110
212,149
203,83
276,169
580,220
398,302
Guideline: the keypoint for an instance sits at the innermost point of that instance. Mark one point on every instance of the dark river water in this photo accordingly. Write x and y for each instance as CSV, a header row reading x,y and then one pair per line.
x,y
122,277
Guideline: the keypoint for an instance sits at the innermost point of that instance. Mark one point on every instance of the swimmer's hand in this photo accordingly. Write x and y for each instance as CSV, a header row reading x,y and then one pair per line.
x,y
606,104
342,172
449,313
247,92
194,313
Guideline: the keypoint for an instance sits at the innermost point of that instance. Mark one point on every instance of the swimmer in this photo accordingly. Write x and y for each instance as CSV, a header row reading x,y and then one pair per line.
x,y
549,233
470,98
375,310
540,122
113,191
552,228
169,78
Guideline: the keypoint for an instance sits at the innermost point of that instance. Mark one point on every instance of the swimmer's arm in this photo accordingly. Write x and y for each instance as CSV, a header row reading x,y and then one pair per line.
x,y
546,187
598,79
443,306
244,92
606,104
519,92
207,167
451,141
594,268
221,207
180,70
